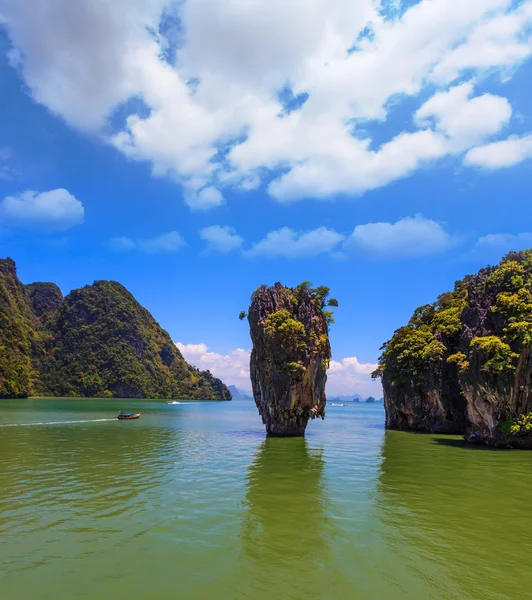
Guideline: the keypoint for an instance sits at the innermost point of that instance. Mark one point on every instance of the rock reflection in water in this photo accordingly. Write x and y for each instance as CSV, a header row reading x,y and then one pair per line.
x,y
449,509
285,530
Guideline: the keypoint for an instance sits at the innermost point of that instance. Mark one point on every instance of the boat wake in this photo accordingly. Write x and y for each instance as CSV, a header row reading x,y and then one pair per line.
x,y
54,423
184,403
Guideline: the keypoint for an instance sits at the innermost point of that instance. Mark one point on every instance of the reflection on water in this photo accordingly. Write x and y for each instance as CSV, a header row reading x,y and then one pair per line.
x,y
285,528
457,516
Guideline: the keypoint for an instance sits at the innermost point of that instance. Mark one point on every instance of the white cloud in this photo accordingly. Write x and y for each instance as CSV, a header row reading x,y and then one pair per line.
x,y
465,120
350,376
345,377
7,173
499,155
499,42
165,243
207,198
221,239
53,211
287,243
411,236
79,58
211,117
232,368
504,242
122,244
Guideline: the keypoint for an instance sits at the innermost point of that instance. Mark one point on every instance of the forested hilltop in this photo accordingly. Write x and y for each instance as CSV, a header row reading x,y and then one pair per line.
x,y
464,363
96,342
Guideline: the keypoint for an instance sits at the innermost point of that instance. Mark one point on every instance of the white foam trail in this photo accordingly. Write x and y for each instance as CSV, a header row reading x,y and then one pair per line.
x,y
184,403
55,422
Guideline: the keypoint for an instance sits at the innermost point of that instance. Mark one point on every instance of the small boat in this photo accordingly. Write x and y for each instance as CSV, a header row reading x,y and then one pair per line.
x,y
172,402
122,416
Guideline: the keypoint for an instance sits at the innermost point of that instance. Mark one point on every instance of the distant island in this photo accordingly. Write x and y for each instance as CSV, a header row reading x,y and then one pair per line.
x,y
96,342
356,398
464,364
238,394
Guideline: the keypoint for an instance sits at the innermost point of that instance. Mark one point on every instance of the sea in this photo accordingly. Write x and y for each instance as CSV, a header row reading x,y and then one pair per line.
x,y
192,501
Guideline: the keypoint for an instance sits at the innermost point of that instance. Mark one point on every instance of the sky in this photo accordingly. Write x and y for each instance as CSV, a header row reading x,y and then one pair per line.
x,y
195,150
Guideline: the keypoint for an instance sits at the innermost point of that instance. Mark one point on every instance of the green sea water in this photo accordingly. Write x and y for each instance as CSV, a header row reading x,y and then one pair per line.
x,y
192,502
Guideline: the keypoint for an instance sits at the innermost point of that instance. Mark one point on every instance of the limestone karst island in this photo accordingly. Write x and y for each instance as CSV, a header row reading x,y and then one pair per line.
x,y
462,365
265,299
96,342
290,357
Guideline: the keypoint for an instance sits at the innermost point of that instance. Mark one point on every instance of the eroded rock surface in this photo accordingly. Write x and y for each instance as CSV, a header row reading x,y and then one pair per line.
x,y
290,356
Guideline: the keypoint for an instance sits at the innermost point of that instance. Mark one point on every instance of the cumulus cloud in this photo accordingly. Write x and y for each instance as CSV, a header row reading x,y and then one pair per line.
x,y
212,115
408,237
165,243
7,173
350,376
500,42
221,239
499,155
464,120
287,243
207,198
122,244
53,211
503,242
232,368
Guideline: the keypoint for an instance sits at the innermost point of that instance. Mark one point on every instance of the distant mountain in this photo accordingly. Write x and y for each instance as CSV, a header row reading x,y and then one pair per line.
x,y
352,398
238,394
98,341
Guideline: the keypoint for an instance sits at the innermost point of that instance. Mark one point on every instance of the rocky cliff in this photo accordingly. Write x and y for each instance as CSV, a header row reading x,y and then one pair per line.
x,y
464,364
18,335
98,341
290,356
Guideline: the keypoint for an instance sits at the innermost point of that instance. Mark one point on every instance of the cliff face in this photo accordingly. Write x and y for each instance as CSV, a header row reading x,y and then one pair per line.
x,y
290,356
434,404
464,364
17,335
44,299
98,341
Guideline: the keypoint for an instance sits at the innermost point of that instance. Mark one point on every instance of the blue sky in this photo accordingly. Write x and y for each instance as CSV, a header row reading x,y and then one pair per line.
x,y
194,154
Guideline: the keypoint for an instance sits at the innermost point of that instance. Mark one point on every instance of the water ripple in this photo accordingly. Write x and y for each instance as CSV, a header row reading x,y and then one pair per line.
x,y
192,500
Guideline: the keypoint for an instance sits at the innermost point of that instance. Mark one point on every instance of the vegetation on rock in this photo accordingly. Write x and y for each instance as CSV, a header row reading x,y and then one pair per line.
x,y
291,354
98,341
469,350
288,335
18,335
435,331
521,425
